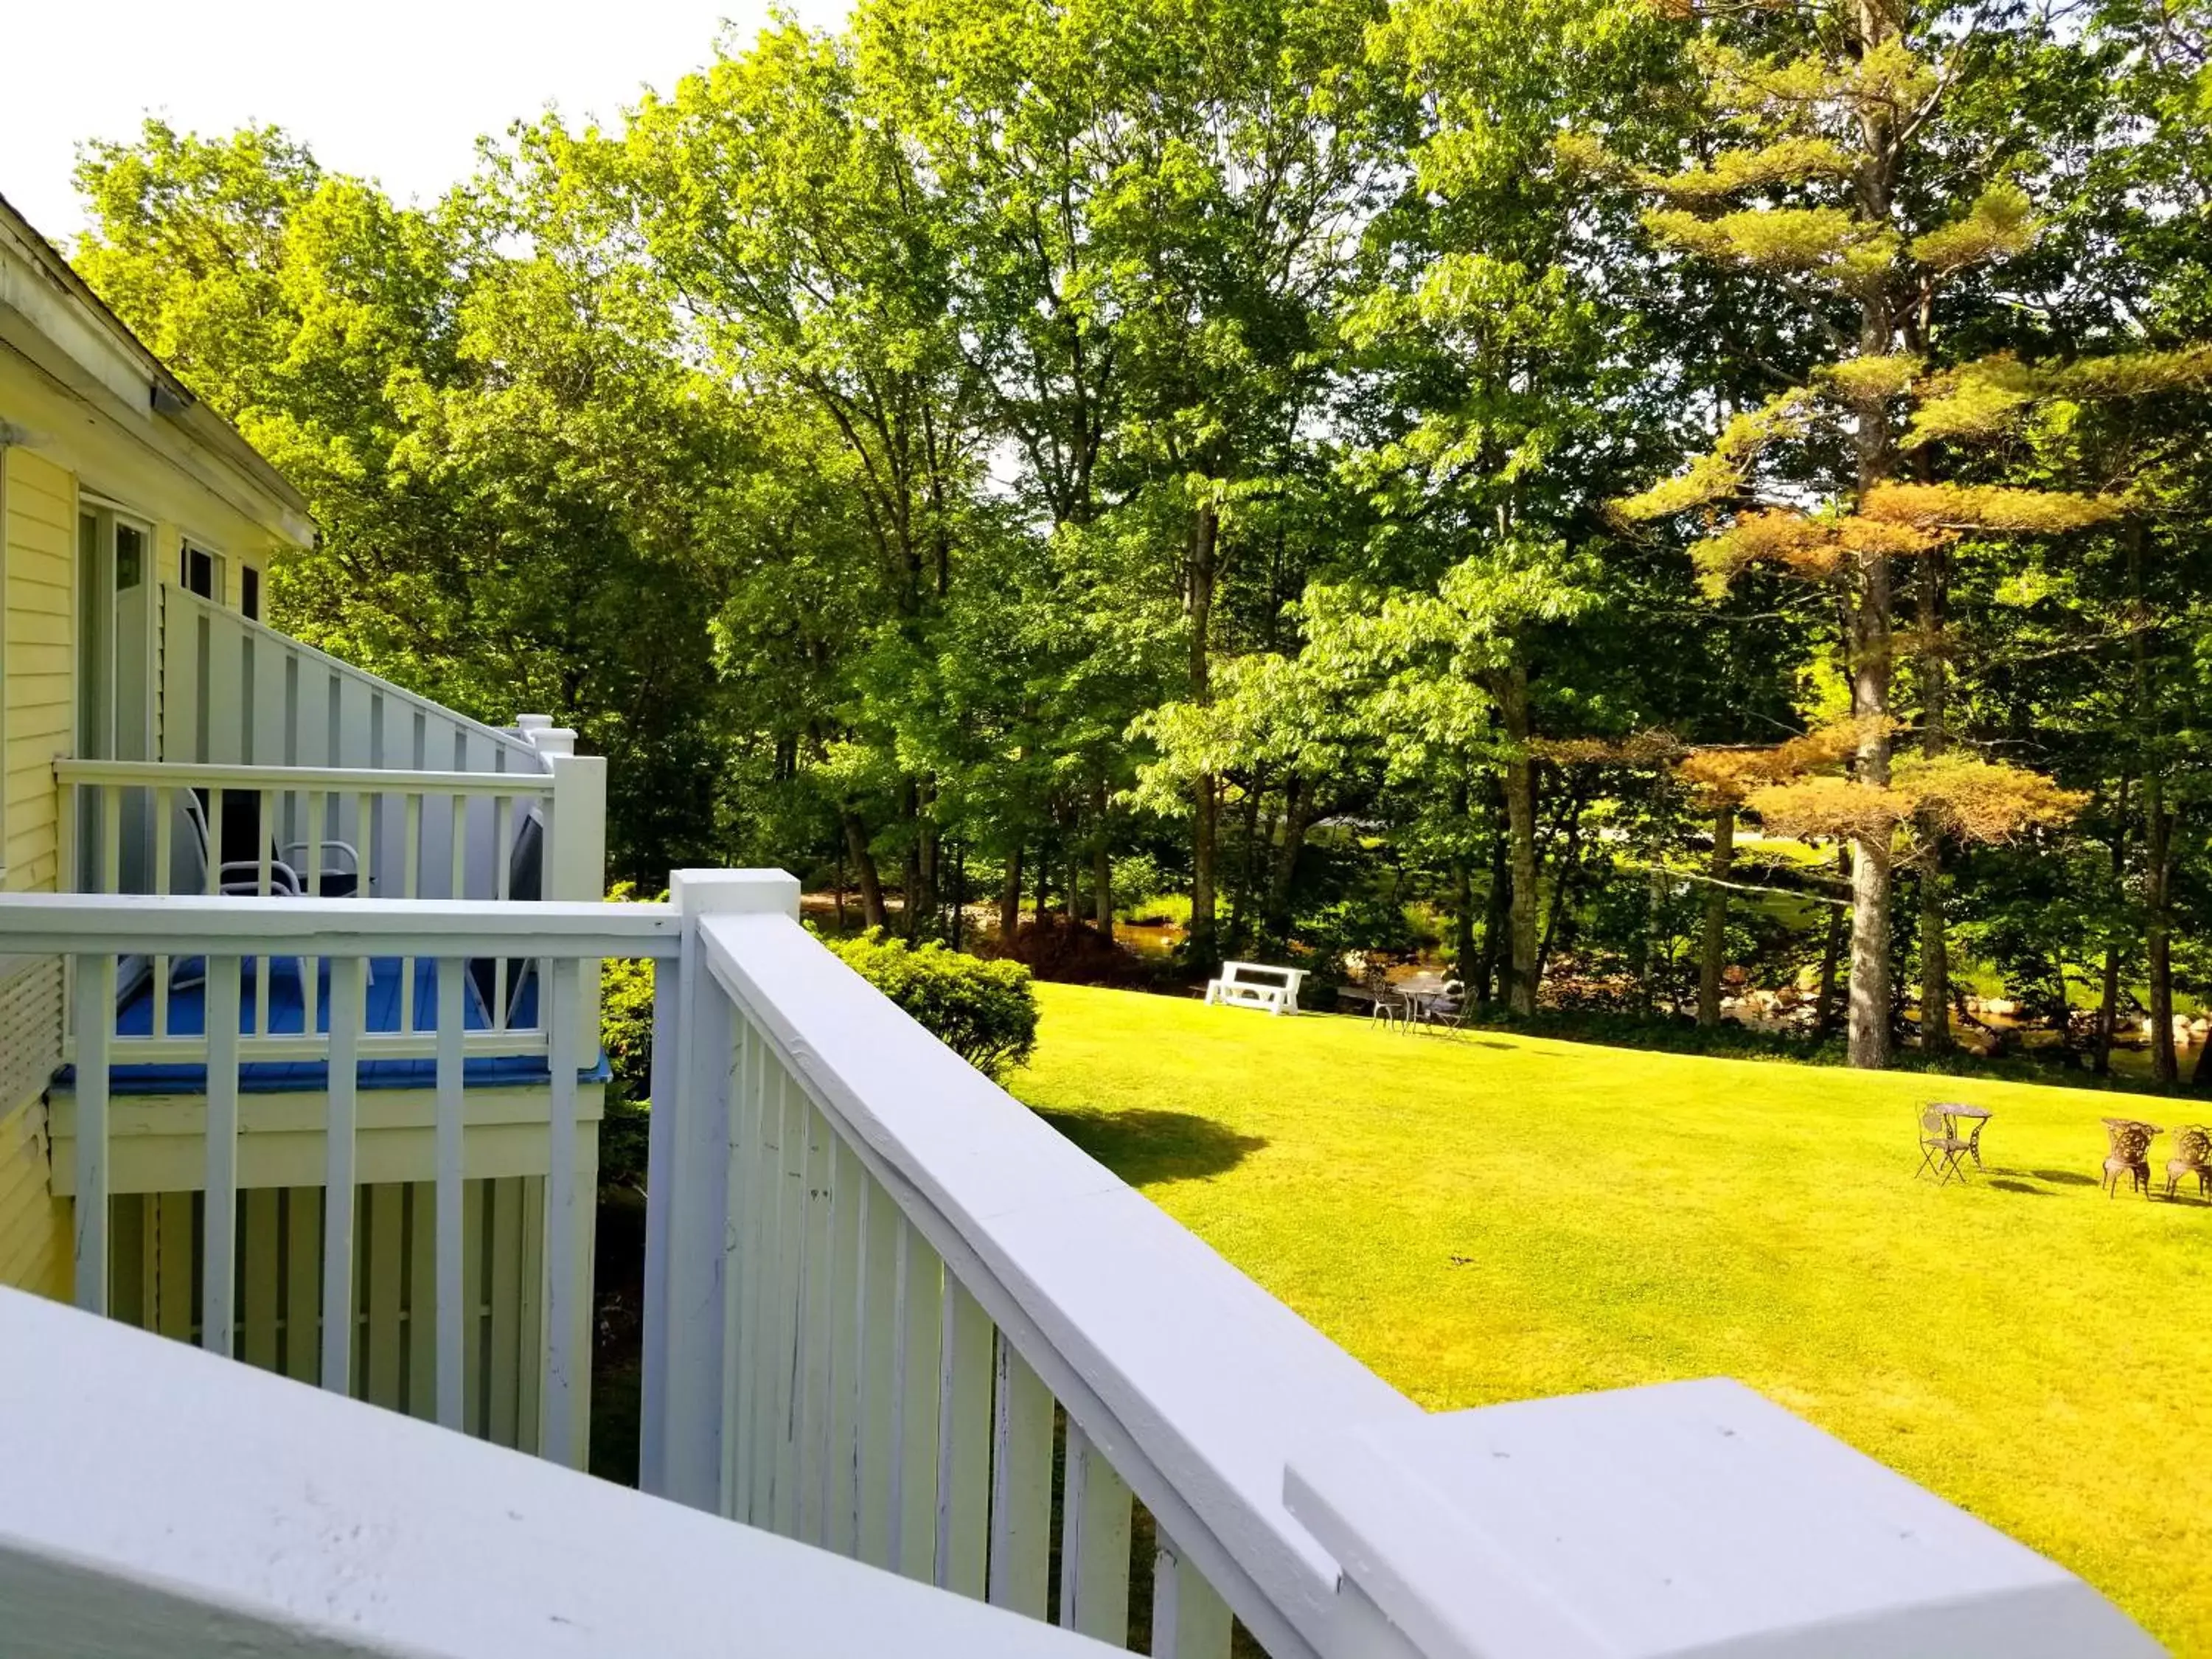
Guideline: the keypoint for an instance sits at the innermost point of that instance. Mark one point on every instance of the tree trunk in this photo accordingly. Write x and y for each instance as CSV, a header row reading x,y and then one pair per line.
x,y
2108,1000
1935,942
930,849
2158,931
1647,942
1870,617
1240,901
959,890
1497,909
2158,840
1463,944
1201,946
1298,803
1101,863
910,876
1871,850
2108,1013
872,913
1713,960
1044,885
1009,897
1521,827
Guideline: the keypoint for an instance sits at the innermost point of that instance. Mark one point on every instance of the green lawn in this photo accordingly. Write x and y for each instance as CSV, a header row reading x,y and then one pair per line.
x,y
1490,1218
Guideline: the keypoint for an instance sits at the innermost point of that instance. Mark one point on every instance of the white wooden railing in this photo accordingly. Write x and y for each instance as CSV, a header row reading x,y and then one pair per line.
x,y
891,1313
162,1504
234,692
95,933
158,828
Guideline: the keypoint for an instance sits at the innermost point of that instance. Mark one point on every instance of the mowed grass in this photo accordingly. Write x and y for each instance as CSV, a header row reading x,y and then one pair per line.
x,y
1491,1217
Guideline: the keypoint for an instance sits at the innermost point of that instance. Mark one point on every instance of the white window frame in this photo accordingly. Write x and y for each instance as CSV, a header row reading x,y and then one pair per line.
x,y
218,570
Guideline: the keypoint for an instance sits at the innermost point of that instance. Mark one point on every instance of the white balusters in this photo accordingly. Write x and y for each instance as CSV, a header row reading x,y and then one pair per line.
x,y
339,1122
1189,1619
95,991
1094,1543
219,1254
966,1369
565,1227
452,1289
1021,1486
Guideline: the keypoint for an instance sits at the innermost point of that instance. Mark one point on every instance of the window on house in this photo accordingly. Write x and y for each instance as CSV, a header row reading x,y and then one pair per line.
x,y
129,557
249,593
202,573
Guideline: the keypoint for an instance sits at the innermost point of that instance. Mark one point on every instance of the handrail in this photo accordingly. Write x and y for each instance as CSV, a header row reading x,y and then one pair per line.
x,y
1196,1383
354,779
158,1503
43,924
182,601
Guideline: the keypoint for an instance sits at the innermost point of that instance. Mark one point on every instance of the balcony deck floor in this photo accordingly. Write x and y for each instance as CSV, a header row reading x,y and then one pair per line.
x,y
288,1015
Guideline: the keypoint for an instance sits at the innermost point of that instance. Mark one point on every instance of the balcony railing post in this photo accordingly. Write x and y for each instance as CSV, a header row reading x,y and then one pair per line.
x,y
1682,1518
688,1197
576,846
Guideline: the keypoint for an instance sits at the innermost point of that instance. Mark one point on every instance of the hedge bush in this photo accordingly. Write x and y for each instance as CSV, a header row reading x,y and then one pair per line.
x,y
984,1012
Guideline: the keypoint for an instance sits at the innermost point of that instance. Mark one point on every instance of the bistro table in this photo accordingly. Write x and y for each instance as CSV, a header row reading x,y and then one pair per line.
x,y
1956,1113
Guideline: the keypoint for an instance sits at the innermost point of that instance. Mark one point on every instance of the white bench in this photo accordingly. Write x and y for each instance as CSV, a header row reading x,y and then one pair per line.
x,y
1255,984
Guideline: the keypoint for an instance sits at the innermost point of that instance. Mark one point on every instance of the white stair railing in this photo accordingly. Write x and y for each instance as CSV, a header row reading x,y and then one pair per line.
x,y
886,1304
234,692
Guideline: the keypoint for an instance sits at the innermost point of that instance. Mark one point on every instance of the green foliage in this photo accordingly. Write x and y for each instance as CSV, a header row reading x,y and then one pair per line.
x,y
984,1012
1268,448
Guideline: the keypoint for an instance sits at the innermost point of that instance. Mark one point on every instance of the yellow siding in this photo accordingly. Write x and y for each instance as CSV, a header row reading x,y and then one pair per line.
x,y
40,692
35,1248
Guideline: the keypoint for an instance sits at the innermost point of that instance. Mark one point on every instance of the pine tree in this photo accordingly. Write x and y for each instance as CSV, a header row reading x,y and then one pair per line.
x,y
1821,175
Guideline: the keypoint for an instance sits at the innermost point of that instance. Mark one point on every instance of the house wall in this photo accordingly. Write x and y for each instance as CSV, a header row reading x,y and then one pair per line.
x,y
58,445
37,658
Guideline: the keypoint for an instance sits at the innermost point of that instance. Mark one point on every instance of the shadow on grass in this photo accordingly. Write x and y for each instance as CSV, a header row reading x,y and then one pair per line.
x,y
1145,1146
2063,1177
2022,1187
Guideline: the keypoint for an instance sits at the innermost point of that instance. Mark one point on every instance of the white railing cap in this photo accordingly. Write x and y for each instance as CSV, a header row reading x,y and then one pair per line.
x,y
43,924
162,1501
734,893
1684,1519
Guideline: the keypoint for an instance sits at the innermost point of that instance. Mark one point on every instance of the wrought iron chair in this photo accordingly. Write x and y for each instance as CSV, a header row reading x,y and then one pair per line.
x,y
1940,1148
1386,1004
1446,1012
2128,1153
2192,1156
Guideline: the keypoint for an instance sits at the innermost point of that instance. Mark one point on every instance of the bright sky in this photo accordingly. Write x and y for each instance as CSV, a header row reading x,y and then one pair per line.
x,y
397,90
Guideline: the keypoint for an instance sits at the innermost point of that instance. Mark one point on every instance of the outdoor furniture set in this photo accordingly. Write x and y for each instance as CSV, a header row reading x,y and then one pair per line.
x,y
1951,1137
1416,1005
2127,1156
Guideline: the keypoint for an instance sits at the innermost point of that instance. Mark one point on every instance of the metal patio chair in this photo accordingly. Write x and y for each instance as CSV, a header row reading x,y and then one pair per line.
x,y
2192,1156
2128,1153
1940,1148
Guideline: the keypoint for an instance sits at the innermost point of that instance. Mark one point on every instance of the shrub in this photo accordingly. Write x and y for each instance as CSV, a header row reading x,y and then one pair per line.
x,y
984,1012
